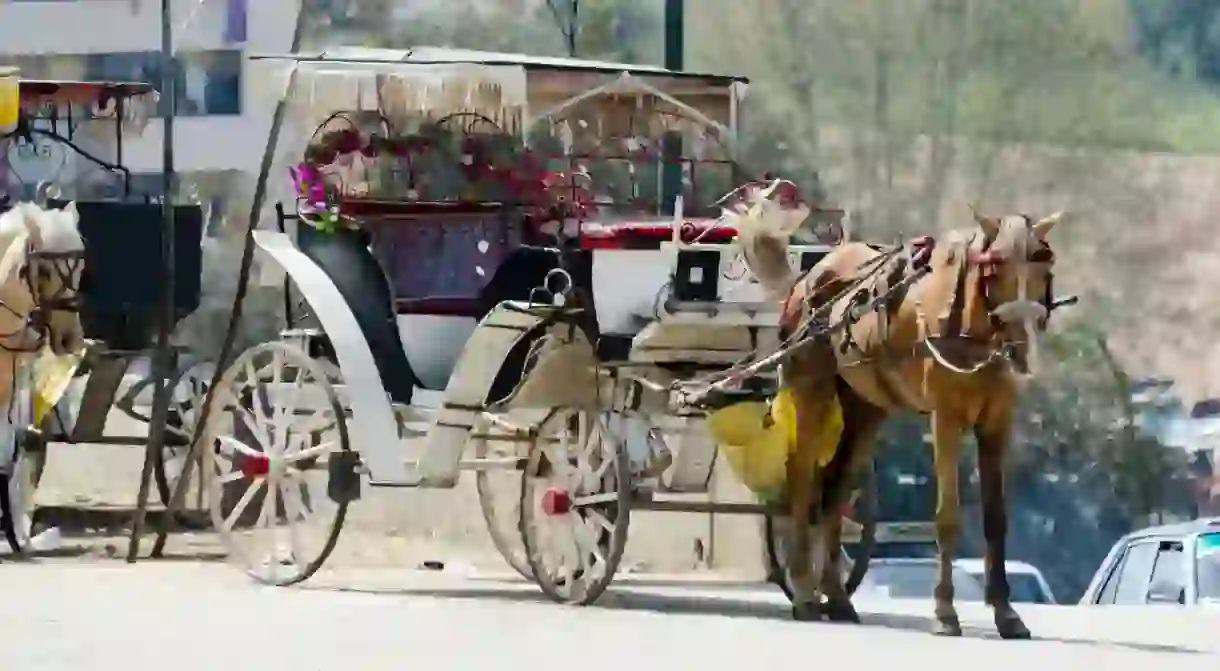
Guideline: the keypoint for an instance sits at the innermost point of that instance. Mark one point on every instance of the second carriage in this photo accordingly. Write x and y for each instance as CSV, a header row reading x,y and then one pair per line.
x,y
485,272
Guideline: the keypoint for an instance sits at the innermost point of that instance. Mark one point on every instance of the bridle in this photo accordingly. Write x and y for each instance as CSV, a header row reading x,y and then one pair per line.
x,y
988,263
64,266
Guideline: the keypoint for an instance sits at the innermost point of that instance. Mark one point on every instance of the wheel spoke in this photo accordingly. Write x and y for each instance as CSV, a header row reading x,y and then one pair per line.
x,y
310,452
242,503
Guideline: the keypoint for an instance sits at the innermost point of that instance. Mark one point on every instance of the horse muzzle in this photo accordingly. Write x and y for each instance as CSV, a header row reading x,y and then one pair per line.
x,y
1022,311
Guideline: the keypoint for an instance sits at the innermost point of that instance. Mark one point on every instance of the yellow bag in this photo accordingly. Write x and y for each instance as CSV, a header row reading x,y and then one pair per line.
x,y
757,437
52,374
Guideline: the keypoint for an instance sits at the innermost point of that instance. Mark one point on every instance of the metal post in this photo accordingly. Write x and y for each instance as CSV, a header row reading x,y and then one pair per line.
x,y
671,148
163,365
243,278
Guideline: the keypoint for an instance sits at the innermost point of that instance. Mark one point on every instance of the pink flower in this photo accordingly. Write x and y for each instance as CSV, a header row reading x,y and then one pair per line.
x,y
310,188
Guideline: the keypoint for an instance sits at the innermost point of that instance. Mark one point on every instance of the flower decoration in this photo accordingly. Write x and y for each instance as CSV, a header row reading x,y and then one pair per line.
x,y
314,202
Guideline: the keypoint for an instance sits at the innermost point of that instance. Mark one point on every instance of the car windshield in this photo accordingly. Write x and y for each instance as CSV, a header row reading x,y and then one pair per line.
x,y
1209,567
1025,588
916,581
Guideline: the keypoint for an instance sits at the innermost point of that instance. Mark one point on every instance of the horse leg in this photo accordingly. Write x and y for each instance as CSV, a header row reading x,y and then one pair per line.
x,y
810,379
801,490
947,439
861,423
993,437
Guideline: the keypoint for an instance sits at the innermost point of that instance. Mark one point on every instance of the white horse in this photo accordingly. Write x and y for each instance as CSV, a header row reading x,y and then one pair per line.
x,y
41,259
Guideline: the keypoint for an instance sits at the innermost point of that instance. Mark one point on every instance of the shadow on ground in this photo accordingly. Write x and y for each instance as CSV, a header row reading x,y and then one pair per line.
x,y
625,600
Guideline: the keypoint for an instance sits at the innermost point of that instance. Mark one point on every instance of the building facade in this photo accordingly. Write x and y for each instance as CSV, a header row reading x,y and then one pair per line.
x,y
221,124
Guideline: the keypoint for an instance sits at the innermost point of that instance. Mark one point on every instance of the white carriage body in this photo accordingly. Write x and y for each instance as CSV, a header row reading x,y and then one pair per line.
x,y
672,309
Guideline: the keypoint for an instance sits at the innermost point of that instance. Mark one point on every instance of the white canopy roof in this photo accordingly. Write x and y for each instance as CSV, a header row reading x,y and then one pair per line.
x,y
402,82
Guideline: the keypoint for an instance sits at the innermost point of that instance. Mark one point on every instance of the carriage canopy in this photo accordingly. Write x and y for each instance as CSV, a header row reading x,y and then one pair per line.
x,y
514,90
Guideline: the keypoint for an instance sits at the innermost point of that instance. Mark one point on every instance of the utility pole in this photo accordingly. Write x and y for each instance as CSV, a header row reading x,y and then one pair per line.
x,y
671,147
163,362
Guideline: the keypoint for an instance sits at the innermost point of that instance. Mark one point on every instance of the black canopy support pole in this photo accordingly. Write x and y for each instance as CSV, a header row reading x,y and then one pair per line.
x,y
243,277
671,143
163,363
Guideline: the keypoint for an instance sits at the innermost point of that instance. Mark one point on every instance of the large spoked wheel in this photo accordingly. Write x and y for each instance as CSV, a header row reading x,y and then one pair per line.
x,y
575,506
499,490
855,556
281,468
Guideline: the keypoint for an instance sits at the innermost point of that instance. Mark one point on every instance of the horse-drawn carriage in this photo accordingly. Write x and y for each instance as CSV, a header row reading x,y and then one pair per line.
x,y
500,264
65,153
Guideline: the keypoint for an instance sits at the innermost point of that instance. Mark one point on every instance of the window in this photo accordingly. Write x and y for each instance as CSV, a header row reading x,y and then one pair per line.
x,y
1025,588
1168,570
1134,574
209,83
1208,568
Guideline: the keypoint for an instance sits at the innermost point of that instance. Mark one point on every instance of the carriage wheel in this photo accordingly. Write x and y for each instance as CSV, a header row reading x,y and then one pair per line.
x,y
17,486
854,563
188,392
499,494
281,469
575,506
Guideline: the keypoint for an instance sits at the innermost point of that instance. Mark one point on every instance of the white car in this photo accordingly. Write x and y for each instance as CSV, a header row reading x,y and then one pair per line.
x,y
1025,582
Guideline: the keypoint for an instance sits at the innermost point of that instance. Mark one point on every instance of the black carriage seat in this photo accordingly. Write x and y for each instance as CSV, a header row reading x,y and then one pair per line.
x,y
121,299
441,257
344,256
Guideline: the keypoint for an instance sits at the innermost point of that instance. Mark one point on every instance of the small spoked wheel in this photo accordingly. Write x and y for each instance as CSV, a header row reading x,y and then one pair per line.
x,y
856,553
187,396
499,489
18,482
187,392
575,506
281,468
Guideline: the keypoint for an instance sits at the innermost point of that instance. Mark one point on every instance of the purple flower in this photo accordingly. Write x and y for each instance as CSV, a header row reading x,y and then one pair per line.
x,y
310,188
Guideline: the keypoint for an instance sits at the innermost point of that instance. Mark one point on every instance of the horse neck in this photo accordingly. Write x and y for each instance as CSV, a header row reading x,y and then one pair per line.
x,y
953,304
767,258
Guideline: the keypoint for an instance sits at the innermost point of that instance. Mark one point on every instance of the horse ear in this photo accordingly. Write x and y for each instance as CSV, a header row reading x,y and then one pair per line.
x,y
990,225
70,208
1042,228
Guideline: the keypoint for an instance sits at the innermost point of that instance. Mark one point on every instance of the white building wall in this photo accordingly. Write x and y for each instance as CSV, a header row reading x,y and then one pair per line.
x,y
118,26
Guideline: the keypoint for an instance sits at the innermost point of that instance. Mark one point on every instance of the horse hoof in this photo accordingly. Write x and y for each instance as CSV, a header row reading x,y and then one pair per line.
x,y
806,612
947,626
841,610
1012,629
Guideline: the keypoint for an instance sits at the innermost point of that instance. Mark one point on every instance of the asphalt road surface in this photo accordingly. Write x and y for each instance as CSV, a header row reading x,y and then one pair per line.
x,y
109,616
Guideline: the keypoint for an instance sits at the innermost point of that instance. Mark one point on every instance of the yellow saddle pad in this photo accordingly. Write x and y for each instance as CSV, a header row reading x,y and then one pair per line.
x,y
52,374
757,437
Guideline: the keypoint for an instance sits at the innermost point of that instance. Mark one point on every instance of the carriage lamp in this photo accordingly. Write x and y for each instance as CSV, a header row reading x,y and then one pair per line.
x,y
10,99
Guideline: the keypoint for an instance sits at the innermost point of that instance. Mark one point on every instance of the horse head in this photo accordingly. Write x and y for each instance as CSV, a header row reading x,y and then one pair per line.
x,y
40,273
1016,265
766,215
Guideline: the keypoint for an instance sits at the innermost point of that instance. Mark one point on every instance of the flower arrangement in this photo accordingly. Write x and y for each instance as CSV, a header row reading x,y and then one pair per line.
x,y
474,167
313,201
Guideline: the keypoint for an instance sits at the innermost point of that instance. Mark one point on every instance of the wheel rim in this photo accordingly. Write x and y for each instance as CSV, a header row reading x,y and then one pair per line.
x,y
269,460
186,399
499,494
853,565
18,511
575,507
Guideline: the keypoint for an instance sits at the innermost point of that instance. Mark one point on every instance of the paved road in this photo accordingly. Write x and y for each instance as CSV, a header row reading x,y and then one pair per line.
x,y
59,615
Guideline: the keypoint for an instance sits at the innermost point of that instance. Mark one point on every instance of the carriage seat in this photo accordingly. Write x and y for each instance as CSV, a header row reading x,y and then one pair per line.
x,y
440,257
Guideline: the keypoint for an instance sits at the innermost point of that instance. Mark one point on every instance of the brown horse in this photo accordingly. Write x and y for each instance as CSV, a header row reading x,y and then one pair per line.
x,y
952,340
